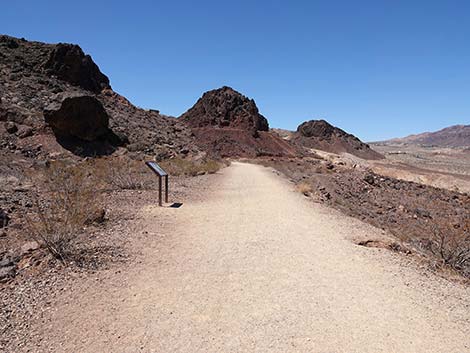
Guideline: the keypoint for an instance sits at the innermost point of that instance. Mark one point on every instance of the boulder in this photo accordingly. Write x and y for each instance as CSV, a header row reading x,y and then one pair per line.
x,y
7,272
82,117
4,219
29,247
369,178
7,261
11,127
69,63
25,131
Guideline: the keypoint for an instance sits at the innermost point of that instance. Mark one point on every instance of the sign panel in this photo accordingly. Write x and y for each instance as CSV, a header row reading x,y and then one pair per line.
x,y
156,168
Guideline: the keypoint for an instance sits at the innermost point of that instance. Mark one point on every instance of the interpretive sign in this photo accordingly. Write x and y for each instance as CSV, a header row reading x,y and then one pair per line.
x,y
161,174
156,168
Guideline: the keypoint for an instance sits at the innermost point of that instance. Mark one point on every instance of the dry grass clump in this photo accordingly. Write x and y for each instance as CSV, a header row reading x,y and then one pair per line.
x,y
304,188
180,166
126,173
67,198
122,173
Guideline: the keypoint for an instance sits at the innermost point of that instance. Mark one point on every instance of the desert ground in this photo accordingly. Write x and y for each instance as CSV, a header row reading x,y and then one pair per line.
x,y
437,166
248,264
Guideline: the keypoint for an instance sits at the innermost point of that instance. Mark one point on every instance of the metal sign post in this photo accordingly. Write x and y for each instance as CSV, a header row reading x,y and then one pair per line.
x,y
161,174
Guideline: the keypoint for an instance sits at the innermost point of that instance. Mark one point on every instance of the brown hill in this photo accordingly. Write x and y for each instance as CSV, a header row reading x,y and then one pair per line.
x,y
452,136
228,124
319,134
53,96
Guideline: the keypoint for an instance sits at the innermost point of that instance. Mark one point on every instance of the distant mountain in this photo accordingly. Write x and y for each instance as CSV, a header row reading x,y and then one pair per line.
x,y
452,136
321,135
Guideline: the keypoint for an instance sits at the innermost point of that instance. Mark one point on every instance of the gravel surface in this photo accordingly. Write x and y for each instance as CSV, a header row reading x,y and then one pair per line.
x,y
27,301
255,267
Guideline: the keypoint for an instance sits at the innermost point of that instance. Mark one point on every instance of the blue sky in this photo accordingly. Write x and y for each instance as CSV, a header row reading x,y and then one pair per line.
x,y
378,69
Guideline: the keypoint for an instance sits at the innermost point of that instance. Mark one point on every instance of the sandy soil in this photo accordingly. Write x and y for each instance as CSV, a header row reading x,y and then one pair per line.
x,y
257,268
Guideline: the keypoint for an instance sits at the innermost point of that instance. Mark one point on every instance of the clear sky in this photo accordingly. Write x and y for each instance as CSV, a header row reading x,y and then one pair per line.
x,y
375,68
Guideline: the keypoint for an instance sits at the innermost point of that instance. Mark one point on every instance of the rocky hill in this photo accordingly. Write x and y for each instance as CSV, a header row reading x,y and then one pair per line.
x,y
225,107
228,124
55,99
452,136
319,134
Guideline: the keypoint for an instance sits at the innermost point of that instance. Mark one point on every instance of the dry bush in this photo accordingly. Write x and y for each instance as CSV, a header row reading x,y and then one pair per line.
x,y
179,166
450,244
66,200
304,188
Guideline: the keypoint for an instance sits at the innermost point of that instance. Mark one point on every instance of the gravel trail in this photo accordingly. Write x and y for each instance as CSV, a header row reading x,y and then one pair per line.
x,y
256,267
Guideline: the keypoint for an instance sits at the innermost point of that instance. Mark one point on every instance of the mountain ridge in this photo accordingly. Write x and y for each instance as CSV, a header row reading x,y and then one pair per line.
x,y
454,136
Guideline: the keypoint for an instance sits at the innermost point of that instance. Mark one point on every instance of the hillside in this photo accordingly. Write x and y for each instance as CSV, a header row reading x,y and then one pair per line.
x,y
55,98
452,136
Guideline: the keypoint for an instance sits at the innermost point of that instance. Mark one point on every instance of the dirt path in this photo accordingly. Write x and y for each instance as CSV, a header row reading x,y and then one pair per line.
x,y
258,268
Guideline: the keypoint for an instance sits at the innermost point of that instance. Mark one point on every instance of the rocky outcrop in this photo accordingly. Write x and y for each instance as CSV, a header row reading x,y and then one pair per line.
x,y
226,108
82,117
228,124
320,129
69,63
319,134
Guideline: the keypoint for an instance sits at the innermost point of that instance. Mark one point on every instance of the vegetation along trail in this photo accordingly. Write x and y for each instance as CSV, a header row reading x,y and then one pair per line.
x,y
255,267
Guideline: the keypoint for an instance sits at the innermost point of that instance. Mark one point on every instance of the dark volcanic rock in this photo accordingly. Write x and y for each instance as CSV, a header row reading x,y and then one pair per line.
x,y
4,219
11,127
69,63
9,42
318,128
226,108
319,134
7,272
83,117
228,124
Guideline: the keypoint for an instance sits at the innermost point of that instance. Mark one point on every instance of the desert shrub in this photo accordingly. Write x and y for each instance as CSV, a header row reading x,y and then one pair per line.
x,y
180,166
304,188
67,198
211,166
450,244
